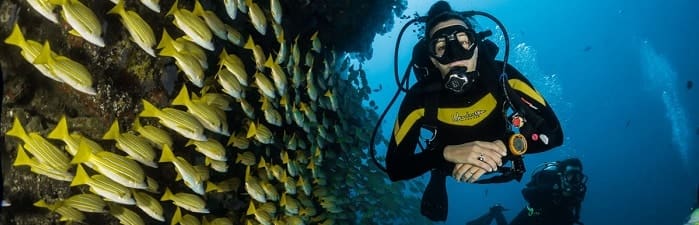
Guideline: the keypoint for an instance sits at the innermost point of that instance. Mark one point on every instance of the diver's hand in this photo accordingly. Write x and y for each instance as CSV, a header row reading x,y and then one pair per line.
x,y
467,172
481,154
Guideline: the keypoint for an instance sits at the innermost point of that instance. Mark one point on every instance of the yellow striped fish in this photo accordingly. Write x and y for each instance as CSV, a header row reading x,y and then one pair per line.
x,y
137,147
68,214
185,170
259,21
125,215
211,148
181,122
157,137
205,114
40,148
120,169
187,201
149,205
23,159
45,8
192,25
103,186
70,72
140,31
87,203
82,20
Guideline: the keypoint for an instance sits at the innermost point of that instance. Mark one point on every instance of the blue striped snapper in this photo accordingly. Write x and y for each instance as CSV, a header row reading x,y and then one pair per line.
x,y
23,159
68,214
190,202
259,21
192,25
70,72
137,147
211,148
184,169
149,205
157,137
120,169
45,8
215,24
181,122
208,116
86,203
83,21
103,186
183,46
140,31
125,215
42,149
30,50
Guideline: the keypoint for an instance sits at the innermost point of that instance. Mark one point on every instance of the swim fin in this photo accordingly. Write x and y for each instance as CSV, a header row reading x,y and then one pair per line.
x,y
434,204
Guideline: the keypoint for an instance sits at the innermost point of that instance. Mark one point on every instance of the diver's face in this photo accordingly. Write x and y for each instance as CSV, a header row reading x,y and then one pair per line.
x,y
439,45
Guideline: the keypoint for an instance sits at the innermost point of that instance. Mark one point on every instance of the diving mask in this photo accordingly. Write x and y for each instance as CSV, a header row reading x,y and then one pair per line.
x,y
452,43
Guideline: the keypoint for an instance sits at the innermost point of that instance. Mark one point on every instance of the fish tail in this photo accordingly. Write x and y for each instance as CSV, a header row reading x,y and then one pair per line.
x,y
81,177
44,56
211,186
252,130
173,9
167,196
198,9
270,62
167,155
16,37
41,203
164,40
177,217
83,154
183,97
249,44
22,157
60,132
113,131
18,131
118,9
251,209
168,50
149,110
282,202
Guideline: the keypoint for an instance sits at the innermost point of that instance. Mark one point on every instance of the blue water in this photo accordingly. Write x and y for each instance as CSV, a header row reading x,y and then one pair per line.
x,y
623,103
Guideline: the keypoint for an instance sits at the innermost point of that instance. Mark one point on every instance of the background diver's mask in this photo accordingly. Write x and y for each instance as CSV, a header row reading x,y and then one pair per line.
x,y
450,44
574,180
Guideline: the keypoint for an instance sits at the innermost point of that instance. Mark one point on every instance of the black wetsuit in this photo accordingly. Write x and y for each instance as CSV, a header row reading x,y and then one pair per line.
x,y
547,204
477,115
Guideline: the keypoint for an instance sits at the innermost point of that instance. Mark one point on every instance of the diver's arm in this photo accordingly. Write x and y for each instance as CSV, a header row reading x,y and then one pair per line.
x,y
542,120
401,160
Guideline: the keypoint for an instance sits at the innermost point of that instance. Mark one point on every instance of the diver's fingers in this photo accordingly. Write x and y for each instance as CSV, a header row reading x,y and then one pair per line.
x,y
465,174
501,148
460,170
493,160
496,147
481,164
476,175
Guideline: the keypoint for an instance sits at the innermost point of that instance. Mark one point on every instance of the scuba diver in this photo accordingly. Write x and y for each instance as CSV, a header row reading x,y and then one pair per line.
x,y
693,218
462,97
554,196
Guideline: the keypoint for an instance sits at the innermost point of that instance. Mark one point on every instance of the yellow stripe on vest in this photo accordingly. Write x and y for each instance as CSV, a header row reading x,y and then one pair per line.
x,y
527,90
468,116
400,130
